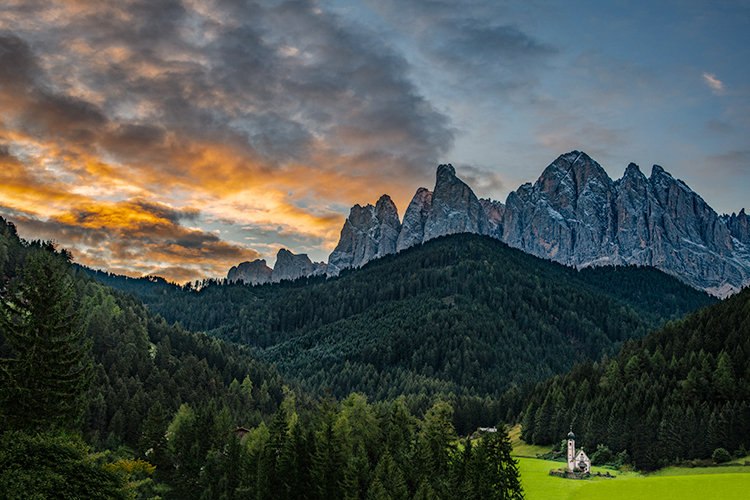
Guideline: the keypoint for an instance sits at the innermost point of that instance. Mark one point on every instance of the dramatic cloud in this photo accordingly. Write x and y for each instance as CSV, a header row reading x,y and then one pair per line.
x,y
183,136
139,236
248,110
474,44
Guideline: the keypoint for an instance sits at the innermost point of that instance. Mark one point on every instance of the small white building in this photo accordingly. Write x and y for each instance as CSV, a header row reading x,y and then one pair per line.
x,y
578,461
583,462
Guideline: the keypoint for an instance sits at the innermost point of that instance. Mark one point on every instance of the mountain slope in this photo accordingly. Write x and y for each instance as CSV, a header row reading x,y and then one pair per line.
x,y
679,393
463,313
142,364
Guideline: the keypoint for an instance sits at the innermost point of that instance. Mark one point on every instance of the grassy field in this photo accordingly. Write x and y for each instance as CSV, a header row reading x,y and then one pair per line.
x,y
699,486
539,485
707,483
520,448
699,471
704,483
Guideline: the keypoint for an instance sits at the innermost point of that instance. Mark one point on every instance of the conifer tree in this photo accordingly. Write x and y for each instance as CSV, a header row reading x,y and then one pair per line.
x,y
44,384
436,446
389,481
425,491
275,465
501,478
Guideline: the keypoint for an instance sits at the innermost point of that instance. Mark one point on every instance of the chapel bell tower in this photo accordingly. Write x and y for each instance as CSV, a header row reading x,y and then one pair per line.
x,y
571,450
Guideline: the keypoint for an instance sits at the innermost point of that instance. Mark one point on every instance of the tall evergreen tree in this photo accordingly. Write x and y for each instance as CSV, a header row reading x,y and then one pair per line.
x,y
499,471
436,448
45,383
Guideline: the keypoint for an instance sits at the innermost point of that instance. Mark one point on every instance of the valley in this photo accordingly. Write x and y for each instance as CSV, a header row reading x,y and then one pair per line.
x,y
456,333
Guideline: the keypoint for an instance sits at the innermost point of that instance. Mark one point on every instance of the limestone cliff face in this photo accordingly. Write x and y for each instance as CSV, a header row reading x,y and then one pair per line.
x,y
575,214
689,239
739,226
250,273
565,216
371,232
368,233
290,266
415,217
455,208
494,210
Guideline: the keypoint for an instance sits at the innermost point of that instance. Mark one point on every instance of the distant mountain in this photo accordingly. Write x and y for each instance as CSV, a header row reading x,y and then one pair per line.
x,y
576,215
368,233
289,266
251,273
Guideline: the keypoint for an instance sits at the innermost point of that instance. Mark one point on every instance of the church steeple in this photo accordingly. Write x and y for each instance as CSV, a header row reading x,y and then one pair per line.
x,y
571,450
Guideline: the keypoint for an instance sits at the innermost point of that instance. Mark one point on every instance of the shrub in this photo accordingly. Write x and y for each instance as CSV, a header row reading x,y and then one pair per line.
x,y
602,455
721,456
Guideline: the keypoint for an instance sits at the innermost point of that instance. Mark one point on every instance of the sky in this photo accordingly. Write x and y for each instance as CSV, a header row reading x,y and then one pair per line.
x,y
181,137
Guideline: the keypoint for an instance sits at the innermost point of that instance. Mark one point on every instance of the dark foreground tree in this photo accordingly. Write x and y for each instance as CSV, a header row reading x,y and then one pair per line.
x,y
44,466
44,384
497,472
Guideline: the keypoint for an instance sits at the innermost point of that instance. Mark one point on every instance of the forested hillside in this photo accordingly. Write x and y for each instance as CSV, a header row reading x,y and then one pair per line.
x,y
679,393
83,367
463,314
141,364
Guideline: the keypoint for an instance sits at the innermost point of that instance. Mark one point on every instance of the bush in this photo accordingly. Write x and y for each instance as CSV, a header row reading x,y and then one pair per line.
x,y
721,456
602,455
42,466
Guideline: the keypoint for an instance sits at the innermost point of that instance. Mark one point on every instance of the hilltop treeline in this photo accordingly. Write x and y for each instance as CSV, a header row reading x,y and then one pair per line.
x,y
463,315
140,362
134,368
679,393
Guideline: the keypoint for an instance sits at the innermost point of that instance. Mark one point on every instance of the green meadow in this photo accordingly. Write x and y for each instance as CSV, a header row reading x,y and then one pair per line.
x,y
520,448
704,483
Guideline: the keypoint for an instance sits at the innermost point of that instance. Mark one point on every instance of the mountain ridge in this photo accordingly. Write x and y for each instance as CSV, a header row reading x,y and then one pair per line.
x,y
574,214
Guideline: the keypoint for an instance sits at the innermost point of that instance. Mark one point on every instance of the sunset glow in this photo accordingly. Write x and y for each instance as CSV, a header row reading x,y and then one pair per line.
x,y
182,138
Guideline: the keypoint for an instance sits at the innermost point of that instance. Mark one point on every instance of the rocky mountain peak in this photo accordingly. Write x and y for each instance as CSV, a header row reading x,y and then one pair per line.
x,y
385,208
415,217
739,227
250,273
573,214
455,208
633,171
445,170
368,233
372,232
568,180
290,266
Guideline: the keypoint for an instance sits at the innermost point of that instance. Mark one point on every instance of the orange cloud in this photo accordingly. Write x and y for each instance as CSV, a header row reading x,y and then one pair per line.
x,y
130,135
141,236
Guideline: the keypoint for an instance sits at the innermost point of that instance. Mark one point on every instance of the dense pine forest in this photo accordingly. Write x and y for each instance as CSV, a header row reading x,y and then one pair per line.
x,y
680,393
100,398
463,315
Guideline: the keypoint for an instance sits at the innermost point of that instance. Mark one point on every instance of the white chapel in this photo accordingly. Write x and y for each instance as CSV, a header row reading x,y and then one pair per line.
x,y
580,461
